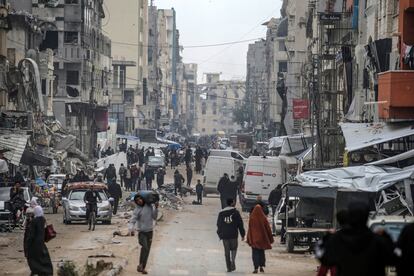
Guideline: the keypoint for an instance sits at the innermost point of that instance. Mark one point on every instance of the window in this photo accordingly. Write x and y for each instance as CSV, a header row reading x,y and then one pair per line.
x,y
128,96
282,46
43,87
283,66
72,77
51,41
71,37
71,1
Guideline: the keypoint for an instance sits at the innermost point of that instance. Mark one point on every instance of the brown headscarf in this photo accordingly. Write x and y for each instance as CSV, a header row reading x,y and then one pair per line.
x,y
259,235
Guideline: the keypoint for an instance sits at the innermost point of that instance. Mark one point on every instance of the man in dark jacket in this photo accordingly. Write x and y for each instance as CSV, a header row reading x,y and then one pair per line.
x,y
274,197
224,190
178,182
110,173
405,251
229,224
116,193
356,250
189,171
199,191
149,177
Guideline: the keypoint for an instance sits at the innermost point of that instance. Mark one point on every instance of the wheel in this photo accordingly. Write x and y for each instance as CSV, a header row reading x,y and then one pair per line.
x,y
290,243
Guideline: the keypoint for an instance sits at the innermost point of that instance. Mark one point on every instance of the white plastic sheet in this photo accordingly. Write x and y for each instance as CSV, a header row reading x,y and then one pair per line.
x,y
359,178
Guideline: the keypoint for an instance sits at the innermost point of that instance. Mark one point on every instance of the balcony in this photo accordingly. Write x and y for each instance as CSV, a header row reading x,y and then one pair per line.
x,y
70,53
396,95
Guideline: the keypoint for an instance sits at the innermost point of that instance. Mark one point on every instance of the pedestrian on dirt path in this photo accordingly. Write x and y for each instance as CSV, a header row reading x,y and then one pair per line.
x,y
160,177
122,172
189,171
128,179
36,251
356,250
229,224
227,189
143,216
199,191
259,237
274,197
149,177
116,193
178,183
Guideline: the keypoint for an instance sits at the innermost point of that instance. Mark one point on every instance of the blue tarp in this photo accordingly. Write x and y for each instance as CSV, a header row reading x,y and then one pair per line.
x,y
174,146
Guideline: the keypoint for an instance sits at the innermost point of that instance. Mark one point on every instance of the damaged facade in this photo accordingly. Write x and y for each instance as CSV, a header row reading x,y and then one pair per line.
x,y
54,83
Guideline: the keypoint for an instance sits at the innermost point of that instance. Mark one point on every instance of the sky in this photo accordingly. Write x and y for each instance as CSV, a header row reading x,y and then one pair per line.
x,y
205,22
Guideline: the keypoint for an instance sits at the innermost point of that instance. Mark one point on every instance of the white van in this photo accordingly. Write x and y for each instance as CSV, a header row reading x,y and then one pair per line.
x,y
228,153
261,176
215,168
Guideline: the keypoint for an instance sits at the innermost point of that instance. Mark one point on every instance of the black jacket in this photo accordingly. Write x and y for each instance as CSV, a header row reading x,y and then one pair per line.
x,y
227,188
199,188
229,224
115,190
358,252
178,179
275,196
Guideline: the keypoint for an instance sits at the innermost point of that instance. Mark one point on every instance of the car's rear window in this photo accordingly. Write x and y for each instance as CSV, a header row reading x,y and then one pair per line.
x,y
79,194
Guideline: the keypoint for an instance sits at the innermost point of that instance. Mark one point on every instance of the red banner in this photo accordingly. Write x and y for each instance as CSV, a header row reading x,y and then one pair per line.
x,y
300,109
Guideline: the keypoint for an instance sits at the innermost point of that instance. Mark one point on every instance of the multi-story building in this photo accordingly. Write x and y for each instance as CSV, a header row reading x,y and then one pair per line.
x,y
190,71
128,28
215,103
295,12
82,65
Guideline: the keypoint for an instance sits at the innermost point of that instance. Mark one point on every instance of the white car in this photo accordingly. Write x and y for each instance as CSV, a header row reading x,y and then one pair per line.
x,y
74,208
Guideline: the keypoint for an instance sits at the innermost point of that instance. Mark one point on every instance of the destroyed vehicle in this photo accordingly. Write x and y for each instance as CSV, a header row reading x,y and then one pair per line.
x,y
316,196
392,225
74,208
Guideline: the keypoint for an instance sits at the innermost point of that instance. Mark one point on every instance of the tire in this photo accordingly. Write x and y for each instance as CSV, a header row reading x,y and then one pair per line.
x,y
290,243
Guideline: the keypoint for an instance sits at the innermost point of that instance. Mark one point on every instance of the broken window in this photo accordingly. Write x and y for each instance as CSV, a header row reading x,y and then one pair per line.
x,y
51,41
44,87
283,66
72,77
71,37
128,96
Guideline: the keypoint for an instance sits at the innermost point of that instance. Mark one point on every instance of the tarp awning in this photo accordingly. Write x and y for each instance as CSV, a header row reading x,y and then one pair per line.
x,y
362,135
359,178
16,144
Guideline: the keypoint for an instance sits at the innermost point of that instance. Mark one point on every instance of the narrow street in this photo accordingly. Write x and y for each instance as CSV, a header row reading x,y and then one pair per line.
x,y
185,243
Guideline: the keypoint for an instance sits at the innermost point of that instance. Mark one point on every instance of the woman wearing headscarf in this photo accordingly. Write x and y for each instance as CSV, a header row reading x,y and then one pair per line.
x,y
259,237
36,251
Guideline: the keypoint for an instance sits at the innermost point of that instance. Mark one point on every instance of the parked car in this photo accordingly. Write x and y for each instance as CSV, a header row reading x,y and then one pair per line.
x,y
155,162
5,198
74,208
56,180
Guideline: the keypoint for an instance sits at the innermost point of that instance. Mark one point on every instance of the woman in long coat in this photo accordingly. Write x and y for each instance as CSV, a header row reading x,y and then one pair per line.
x,y
36,251
259,237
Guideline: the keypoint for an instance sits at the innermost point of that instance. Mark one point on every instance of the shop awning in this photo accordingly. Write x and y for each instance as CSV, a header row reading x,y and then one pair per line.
x,y
361,135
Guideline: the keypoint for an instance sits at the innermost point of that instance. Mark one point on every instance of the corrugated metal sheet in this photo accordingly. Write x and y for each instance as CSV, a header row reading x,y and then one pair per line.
x,y
15,143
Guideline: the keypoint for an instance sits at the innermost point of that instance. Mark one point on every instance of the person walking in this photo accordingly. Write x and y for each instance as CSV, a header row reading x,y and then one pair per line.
x,y
116,193
36,252
128,179
259,237
274,197
122,172
110,173
188,157
229,224
189,171
178,182
199,191
143,216
160,177
227,189
356,250
149,177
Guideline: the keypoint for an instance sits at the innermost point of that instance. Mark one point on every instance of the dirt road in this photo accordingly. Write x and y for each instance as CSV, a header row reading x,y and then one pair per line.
x,y
185,243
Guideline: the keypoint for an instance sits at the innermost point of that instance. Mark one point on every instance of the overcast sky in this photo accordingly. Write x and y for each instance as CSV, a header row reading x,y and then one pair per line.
x,y
204,22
